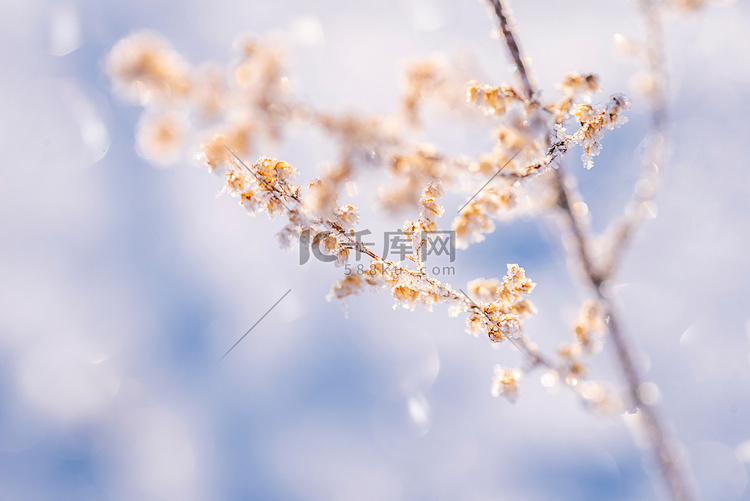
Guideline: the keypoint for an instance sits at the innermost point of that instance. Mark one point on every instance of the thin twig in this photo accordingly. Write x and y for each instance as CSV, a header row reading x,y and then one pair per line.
x,y
575,227
503,15
675,478
254,325
490,179
622,231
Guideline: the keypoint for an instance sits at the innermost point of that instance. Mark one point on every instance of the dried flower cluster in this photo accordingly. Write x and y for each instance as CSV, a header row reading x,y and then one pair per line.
x,y
594,121
505,382
493,100
476,219
422,79
586,331
233,108
266,187
148,70
413,171
501,315
575,84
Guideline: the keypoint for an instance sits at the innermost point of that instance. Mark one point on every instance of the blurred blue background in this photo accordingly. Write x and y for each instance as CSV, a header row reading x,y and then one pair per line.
x,y
122,284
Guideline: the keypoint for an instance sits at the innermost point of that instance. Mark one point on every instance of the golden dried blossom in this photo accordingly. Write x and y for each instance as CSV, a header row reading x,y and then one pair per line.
x,y
144,67
274,171
493,100
421,78
436,79
347,216
475,220
264,186
511,137
571,364
482,289
405,295
576,83
505,382
259,64
160,137
346,287
590,323
430,209
412,172
515,285
520,139
321,197
221,148
594,121
355,283
500,314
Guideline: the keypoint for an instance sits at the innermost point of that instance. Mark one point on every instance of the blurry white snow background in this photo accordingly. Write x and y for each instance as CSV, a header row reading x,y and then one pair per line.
x,y
121,284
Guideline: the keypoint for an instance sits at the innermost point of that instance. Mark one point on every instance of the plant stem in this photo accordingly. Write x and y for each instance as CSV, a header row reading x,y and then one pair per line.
x,y
662,446
503,16
655,143
677,481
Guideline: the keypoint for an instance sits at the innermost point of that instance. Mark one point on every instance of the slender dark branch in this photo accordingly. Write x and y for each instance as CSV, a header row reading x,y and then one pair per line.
x,y
656,60
678,484
503,15
655,144
577,230
677,481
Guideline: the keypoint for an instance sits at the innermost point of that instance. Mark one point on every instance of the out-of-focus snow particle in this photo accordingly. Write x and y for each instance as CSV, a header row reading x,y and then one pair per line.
x,y
549,379
308,30
649,393
419,412
65,30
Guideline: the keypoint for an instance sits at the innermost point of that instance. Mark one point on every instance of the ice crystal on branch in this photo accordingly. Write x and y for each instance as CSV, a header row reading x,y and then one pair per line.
x,y
430,209
505,308
595,121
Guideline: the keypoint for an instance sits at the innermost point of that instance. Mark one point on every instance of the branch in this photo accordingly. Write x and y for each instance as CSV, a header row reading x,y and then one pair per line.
x,y
654,155
669,464
675,478
503,16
